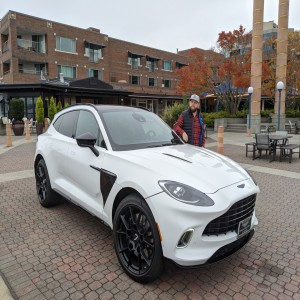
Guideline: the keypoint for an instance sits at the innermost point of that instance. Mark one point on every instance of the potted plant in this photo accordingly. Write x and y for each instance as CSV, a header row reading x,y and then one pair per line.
x,y
17,114
39,114
52,110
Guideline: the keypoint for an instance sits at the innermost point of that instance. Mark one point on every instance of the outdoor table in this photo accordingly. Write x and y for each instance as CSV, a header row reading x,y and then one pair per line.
x,y
278,137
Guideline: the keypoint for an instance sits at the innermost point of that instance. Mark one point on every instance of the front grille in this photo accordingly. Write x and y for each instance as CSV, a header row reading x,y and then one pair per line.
x,y
231,219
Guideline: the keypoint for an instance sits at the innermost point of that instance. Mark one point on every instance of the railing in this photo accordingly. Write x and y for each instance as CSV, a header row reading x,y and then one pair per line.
x,y
5,47
32,72
29,45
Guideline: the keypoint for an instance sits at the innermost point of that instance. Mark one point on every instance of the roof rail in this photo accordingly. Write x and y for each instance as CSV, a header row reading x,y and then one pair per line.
x,y
76,104
142,107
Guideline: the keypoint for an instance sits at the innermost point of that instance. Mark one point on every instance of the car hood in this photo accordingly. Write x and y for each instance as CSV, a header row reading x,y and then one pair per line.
x,y
201,168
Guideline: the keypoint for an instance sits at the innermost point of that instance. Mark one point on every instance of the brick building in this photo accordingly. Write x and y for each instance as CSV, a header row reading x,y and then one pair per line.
x,y
34,49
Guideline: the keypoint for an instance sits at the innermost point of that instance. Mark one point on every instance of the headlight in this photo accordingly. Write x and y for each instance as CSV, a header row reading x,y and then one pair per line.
x,y
185,193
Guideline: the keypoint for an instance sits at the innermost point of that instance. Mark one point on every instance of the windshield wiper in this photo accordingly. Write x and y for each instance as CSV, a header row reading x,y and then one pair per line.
x,y
162,145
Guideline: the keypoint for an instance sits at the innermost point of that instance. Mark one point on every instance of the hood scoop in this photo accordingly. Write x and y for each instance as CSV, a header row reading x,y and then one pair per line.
x,y
177,157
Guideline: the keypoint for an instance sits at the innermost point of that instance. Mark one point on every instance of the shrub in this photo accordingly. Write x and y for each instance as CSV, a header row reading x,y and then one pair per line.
x,y
267,112
16,109
209,118
52,109
242,113
292,113
39,110
172,113
66,104
59,106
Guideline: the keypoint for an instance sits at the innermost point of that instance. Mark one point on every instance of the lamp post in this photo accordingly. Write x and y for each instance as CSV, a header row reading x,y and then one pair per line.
x,y
250,92
280,86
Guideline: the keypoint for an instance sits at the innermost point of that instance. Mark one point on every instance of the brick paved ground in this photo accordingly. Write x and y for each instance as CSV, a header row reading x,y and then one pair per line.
x,y
65,253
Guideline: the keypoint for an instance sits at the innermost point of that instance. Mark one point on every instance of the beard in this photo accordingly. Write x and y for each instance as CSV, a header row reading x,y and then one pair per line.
x,y
193,109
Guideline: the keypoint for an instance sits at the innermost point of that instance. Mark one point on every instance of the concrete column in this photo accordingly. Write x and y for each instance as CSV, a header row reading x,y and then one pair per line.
x,y
256,63
281,61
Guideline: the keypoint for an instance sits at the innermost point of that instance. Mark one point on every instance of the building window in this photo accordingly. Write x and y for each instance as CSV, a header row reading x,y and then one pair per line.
x,y
65,44
94,73
21,68
67,71
134,80
166,83
38,68
135,62
94,52
152,81
167,65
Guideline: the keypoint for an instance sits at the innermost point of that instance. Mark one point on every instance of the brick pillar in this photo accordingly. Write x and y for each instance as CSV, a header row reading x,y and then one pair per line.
x,y
256,63
281,61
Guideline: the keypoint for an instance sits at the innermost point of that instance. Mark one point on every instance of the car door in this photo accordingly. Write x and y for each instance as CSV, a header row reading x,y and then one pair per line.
x,y
58,144
85,166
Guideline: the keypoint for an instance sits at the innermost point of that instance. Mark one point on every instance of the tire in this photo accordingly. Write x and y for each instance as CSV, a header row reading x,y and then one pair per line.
x,y
46,195
136,240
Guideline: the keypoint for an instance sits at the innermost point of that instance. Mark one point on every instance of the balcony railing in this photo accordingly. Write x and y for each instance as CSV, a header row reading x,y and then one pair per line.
x,y
32,72
5,47
39,47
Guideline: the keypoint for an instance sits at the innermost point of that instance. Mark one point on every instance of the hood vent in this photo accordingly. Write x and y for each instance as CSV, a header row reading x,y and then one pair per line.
x,y
177,157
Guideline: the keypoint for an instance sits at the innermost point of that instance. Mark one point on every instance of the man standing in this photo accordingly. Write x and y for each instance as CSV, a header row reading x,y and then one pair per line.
x,y
190,124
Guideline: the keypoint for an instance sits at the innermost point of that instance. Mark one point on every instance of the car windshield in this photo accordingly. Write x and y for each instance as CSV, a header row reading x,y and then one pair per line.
x,y
130,129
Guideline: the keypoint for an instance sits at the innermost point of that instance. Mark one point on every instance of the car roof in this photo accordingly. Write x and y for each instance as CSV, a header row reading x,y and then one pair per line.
x,y
108,107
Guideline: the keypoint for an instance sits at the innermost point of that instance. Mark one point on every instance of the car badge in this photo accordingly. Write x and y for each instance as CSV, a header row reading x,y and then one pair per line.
x,y
241,186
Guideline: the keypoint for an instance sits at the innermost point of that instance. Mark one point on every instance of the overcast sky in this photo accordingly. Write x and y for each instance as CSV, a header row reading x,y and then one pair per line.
x,y
161,24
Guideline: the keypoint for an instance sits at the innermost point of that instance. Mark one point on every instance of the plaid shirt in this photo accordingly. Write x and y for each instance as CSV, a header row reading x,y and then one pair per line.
x,y
196,129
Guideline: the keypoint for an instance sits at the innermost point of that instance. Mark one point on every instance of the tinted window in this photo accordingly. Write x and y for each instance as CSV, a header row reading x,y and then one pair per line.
x,y
56,124
66,126
88,123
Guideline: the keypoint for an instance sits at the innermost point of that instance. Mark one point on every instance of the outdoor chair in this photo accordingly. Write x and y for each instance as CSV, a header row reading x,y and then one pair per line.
x,y
267,129
291,127
32,125
297,130
263,143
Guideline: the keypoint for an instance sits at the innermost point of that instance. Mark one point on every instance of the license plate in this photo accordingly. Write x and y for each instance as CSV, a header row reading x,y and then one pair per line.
x,y
244,226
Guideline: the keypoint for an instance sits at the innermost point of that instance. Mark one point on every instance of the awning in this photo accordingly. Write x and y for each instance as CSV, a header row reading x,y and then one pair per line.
x,y
151,58
134,55
181,64
94,43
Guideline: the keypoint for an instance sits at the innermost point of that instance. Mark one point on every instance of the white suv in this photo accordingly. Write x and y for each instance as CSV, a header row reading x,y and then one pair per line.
x,y
161,197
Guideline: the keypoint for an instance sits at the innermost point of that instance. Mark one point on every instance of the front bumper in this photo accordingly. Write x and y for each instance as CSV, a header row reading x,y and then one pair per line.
x,y
174,218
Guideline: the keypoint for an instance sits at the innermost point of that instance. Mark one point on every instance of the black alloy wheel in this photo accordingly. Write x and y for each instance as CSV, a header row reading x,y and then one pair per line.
x,y
46,195
137,241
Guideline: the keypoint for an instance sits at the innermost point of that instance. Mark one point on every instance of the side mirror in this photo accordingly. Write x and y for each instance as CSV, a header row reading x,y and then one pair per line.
x,y
87,140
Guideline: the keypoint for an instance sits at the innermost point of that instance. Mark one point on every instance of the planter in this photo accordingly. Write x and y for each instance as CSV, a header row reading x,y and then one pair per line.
x,y
18,129
39,128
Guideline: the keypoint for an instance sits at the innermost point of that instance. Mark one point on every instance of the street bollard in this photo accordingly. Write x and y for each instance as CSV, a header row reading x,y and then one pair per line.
x,y
27,130
8,135
46,124
220,139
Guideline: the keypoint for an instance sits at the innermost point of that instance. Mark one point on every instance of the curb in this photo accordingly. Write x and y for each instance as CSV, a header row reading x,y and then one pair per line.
x,y
5,291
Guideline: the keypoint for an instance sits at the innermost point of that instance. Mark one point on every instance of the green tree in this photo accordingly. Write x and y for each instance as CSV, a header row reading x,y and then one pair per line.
x,y
39,110
59,106
52,109
17,109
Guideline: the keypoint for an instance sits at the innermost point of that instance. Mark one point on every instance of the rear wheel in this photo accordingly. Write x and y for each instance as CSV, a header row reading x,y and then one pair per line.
x,y
46,195
136,239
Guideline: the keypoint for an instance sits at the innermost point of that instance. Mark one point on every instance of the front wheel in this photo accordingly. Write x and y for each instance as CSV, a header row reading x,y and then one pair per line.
x,y
46,195
136,239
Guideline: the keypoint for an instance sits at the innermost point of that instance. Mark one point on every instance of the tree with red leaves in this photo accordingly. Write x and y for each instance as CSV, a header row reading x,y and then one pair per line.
x,y
225,73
